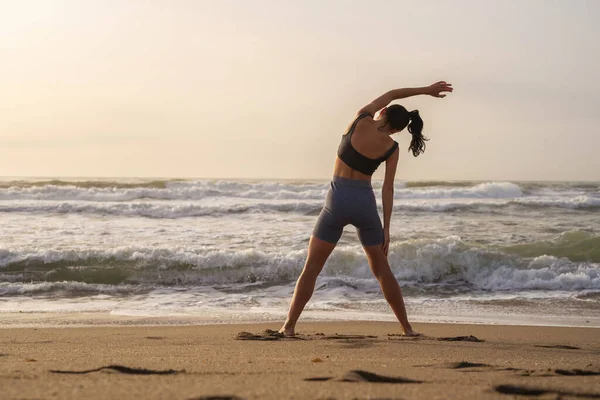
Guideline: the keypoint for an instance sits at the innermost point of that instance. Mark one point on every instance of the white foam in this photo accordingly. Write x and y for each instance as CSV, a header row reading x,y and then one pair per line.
x,y
197,190
183,209
31,288
447,261
331,301
157,209
576,202
491,190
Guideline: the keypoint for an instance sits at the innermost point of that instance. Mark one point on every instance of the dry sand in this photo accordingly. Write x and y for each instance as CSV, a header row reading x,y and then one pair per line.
x,y
202,362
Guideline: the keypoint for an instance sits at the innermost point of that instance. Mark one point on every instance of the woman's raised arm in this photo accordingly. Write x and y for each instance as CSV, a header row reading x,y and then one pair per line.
x,y
382,101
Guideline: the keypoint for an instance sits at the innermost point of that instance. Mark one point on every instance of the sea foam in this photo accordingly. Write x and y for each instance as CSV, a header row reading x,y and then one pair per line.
x,y
443,262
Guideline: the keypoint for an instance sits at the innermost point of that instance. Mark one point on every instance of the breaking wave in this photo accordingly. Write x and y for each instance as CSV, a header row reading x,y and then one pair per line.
x,y
197,190
568,263
179,209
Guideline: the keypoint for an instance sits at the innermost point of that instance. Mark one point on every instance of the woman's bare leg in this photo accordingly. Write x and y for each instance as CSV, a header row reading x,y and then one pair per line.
x,y
391,290
318,252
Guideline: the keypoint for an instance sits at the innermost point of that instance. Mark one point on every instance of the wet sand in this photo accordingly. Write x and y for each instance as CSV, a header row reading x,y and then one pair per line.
x,y
341,360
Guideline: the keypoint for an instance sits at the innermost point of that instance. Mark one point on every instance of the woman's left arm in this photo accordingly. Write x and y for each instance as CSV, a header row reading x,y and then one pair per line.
x,y
387,197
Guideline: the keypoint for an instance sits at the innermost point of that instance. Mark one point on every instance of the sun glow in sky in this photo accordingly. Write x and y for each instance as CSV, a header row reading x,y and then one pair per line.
x,y
265,88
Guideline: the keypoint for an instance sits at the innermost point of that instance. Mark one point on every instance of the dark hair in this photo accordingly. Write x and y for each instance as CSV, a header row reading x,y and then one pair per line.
x,y
399,117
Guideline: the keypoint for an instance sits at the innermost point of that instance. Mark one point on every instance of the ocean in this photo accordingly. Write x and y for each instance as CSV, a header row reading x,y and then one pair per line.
x,y
133,251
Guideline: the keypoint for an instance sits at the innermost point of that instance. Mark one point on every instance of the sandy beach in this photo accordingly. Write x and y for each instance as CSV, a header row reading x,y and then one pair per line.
x,y
328,361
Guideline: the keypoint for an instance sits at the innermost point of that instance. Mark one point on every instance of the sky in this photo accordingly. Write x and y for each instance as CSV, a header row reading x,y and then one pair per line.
x,y
266,88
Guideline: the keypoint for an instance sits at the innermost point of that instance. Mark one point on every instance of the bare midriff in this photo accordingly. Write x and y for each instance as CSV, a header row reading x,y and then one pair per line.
x,y
342,170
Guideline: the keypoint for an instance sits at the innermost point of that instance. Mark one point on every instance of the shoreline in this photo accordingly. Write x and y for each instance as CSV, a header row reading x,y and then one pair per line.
x,y
24,320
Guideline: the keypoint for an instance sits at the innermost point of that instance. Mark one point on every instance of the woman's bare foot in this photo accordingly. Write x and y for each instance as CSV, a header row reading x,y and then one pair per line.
x,y
408,331
411,333
287,330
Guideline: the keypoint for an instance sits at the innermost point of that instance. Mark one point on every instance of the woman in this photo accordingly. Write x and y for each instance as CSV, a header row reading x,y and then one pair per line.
x,y
350,199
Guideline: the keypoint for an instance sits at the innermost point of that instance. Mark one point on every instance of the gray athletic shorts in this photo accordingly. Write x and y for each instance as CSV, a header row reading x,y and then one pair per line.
x,y
351,202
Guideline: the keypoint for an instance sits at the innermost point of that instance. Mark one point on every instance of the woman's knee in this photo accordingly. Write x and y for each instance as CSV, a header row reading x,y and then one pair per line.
x,y
375,254
381,270
309,275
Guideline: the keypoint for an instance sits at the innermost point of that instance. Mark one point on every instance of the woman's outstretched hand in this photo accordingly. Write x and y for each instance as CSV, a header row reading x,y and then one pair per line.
x,y
438,88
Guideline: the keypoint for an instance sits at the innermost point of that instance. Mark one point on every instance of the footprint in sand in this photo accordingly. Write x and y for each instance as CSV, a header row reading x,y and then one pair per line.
x,y
319,379
528,391
559,346
347,337
124,370
465,364
274,335
364,376
266,336
576,372
217,398
469,338
523,372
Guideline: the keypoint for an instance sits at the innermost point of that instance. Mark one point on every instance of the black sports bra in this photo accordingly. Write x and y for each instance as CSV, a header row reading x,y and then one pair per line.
x,y
348,154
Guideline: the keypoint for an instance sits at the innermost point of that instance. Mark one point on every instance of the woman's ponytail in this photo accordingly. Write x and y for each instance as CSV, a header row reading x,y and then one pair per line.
x,y
415,127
